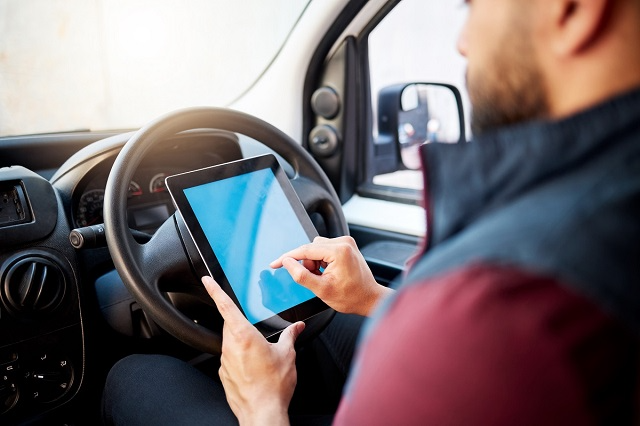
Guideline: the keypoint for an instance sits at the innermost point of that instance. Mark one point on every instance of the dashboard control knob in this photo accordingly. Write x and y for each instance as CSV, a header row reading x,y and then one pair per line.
x,y
51,378
323,140
88,237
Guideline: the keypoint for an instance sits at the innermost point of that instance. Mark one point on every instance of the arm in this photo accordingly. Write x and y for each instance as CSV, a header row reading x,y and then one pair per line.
x,y
258,377
491,345
346,284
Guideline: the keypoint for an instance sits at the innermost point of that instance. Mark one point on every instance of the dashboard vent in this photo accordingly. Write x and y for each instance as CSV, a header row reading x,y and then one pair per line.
x,y
33,285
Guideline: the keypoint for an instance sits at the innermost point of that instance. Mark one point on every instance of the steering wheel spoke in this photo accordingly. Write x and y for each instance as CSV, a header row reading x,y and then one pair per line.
x,y
318,200
311,195
162,257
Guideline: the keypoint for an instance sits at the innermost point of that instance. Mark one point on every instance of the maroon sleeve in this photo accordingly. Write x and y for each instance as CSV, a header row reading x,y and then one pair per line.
x,y
490,345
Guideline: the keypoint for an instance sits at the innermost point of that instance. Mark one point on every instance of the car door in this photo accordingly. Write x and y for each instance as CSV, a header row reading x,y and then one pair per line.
x,y
393,44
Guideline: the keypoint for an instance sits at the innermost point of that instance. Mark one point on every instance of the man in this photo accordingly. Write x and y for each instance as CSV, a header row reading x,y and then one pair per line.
x,y
524,307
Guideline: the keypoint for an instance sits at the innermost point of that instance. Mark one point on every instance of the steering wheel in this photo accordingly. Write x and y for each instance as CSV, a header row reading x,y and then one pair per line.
x,y
142,267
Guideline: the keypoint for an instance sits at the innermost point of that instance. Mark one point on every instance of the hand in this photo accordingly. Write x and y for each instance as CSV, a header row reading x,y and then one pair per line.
x,y
346,284
258,377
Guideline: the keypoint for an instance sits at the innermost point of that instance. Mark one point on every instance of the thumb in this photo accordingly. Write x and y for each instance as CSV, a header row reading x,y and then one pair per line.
x,y
290,334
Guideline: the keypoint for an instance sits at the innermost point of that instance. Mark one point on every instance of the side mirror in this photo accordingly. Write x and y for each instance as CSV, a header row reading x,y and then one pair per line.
x,y
410,114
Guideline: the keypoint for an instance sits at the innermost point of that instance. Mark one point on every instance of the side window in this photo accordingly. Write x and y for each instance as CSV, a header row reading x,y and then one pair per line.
x,y
414,43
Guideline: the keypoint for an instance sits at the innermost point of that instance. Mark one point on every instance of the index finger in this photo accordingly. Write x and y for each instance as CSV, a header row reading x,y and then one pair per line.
x,y
227,308
312,251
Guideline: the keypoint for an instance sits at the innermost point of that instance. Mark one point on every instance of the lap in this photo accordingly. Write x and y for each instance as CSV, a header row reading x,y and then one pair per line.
x,y
158,389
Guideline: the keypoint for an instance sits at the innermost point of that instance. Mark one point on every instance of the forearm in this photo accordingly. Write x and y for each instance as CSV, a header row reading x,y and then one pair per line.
x,y
265,415
378,293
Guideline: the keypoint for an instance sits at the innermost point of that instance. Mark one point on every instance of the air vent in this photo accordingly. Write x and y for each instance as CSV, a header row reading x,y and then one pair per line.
x,y
33,286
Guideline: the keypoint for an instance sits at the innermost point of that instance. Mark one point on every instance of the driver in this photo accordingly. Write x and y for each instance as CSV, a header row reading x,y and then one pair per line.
x,y
523,306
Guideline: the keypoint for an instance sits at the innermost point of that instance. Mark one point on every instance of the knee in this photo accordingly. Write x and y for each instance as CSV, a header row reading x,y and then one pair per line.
x,y
130,379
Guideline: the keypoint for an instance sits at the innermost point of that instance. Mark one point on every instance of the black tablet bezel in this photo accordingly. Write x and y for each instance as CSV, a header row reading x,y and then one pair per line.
x,y
176,184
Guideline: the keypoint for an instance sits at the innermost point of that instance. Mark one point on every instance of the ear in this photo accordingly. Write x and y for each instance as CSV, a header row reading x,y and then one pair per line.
x,y
577,24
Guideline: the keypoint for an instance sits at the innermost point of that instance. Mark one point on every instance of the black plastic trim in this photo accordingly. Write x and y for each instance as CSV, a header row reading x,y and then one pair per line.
x,y
42,202
343,168
28,150
391,193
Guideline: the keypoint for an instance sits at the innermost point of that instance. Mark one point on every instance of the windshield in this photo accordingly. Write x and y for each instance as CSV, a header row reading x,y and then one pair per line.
x,y
115,64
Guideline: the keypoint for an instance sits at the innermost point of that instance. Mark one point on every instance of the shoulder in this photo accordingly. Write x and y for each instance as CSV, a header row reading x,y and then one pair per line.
x,y
494,342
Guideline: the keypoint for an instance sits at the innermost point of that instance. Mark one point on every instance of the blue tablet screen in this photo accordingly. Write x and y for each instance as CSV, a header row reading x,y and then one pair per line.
x,y
249,222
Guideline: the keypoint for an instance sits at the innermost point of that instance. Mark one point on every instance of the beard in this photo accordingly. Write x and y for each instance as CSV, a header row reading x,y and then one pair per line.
x,y
511,91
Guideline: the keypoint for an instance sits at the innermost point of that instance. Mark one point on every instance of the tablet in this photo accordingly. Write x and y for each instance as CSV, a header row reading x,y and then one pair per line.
x,y
242,216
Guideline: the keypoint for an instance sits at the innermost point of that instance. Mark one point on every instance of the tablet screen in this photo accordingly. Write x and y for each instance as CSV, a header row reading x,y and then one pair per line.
x,y
242,216
236,215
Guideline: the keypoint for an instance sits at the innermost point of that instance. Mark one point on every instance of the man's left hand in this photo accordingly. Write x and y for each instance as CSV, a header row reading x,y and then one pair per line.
x,y
259,377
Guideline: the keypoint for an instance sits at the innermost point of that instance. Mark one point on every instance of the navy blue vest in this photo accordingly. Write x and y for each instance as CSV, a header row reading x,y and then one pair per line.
x,y
556,198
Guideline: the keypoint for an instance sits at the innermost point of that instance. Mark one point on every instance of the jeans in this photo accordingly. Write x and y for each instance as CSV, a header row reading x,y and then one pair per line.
x,y
159,389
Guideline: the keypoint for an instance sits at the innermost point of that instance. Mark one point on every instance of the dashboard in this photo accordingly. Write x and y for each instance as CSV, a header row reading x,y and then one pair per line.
x,y
45,279
149,203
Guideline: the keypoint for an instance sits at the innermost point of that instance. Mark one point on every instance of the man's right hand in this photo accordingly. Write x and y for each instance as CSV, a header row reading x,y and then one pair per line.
x,y
336,272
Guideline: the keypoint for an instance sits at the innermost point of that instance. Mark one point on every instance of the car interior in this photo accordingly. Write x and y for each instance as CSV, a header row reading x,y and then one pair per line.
x,y
95,264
